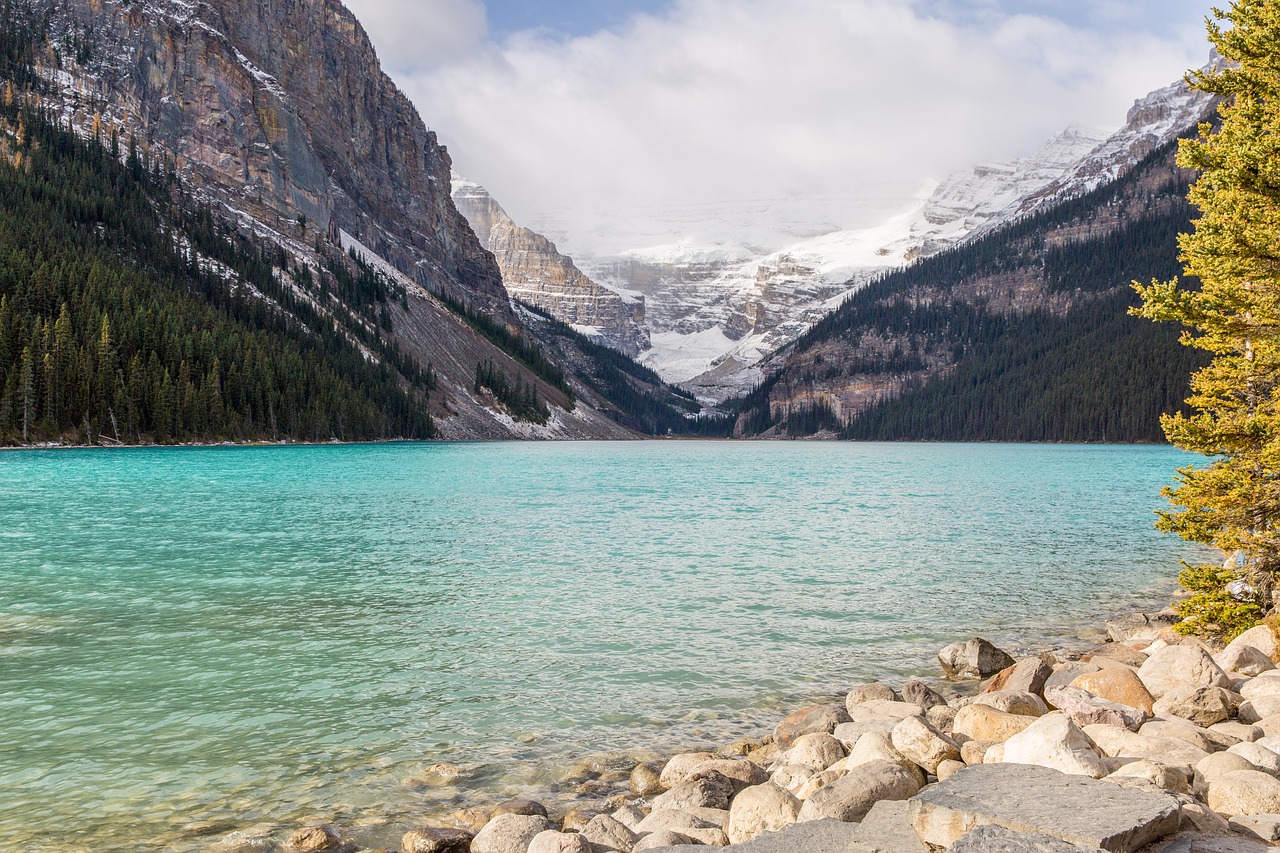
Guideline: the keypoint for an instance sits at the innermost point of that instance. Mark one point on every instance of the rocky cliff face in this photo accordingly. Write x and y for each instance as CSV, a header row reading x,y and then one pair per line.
x,y
280,112
277,116
534,272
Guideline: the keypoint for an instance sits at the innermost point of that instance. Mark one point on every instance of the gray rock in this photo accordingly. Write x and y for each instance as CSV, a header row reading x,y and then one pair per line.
x,y
1203,706
1245,660
977,658
878,709
509,833
607,833
818,836
520,806
1263,826
997,839
850,798
917,692
887,829
1076,809
1085,709
1121,652
860,693
1137,627
436,840
711,790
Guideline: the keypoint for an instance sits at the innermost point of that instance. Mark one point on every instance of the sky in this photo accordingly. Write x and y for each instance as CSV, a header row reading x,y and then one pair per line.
x,y
614,124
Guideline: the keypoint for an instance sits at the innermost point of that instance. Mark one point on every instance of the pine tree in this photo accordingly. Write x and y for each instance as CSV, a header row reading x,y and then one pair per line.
x,y
1233,503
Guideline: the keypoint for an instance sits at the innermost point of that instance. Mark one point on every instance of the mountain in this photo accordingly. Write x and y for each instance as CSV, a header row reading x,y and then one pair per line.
x,y
534,272
269,130
1020,334
715,311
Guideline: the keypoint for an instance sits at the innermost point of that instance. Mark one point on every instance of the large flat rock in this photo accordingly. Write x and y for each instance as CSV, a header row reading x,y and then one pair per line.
x,y
887,829
997,839
815,836
1030,799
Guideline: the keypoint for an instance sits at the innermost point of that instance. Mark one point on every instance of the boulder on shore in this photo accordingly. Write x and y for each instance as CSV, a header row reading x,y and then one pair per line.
x,y
816,718
977,658
1074,809
850,798
1054,741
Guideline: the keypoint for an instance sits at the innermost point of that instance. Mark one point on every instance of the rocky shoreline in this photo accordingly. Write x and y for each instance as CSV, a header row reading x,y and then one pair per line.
x,y
1149,742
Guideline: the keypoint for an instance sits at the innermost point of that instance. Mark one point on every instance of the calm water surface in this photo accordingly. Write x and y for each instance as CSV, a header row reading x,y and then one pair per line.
x,y
272,635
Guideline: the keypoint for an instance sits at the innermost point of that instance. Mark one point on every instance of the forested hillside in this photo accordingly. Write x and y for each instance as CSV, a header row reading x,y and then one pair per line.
x,y
1022,335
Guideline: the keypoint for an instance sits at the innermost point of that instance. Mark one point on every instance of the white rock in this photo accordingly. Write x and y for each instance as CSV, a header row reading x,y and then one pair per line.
x,y
1167,778
1238,731
1175,665
791,777
680,767
1054,741
874,746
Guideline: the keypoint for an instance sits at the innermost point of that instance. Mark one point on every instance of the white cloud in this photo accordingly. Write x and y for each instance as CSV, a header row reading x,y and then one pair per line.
x,y
416,35
597,138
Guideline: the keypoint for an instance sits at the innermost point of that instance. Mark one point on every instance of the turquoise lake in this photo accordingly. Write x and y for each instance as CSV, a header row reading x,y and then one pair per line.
x,y
264,636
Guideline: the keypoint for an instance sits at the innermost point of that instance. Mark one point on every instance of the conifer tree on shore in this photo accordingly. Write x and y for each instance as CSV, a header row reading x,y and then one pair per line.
x,y
1233,313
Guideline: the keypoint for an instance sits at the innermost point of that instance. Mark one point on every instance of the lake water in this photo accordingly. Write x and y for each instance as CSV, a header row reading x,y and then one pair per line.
x,y
274,635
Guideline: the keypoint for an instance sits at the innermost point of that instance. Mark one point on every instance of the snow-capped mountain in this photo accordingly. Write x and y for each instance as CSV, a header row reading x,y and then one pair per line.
x,y
715,309
714,314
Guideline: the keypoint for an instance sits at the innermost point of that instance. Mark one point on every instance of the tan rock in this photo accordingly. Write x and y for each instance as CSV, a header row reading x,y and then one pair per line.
x,y
1259,708
311,839
436,840
1025,676
947,769
973,751
760,809
815,718
816,751
1262,638
1243,659
922,744
880,710
984,723
1122,686
874,746
1166,778
1262,759
1245,792
682,766
509,833
791,777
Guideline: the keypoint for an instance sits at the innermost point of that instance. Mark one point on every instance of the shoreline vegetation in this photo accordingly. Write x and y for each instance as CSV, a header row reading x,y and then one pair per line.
x,y
1150,740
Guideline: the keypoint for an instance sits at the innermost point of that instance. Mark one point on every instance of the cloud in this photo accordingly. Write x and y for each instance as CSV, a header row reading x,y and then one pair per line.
x,y
413,36
833,109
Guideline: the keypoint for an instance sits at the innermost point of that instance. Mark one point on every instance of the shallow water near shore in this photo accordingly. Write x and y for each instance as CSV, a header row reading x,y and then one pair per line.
x,y
281,634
